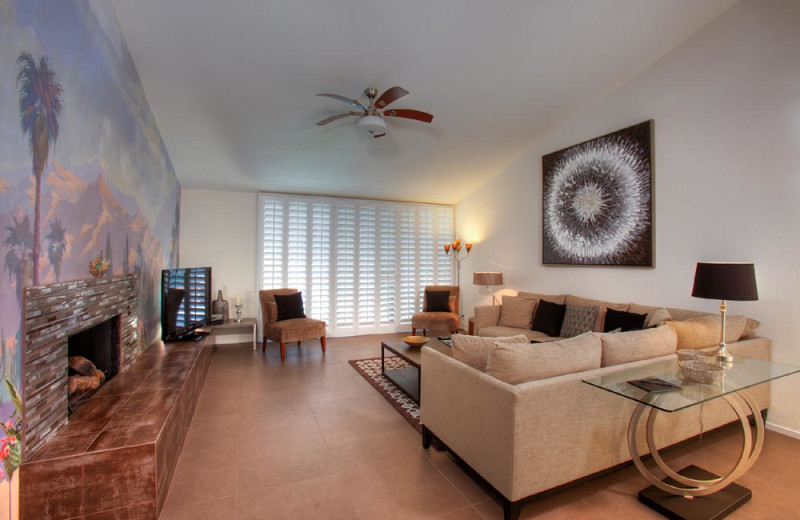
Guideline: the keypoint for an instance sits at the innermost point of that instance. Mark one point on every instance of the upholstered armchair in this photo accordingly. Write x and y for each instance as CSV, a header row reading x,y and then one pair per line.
x,y
437,320
285,331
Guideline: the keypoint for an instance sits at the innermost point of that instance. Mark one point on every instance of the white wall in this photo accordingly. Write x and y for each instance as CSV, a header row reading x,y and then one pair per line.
x,y
726,106
218,228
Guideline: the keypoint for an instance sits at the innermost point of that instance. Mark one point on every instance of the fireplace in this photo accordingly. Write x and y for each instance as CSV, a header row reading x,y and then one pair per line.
x,y
93,357
54,313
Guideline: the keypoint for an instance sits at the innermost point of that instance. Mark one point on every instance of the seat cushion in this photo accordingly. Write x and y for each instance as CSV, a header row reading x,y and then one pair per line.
x,y
296,329
435,321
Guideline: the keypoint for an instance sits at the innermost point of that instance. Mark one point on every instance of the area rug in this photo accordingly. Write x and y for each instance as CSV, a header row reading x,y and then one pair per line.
x,y
370,369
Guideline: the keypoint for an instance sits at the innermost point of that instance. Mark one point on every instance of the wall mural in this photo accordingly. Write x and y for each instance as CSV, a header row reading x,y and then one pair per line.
x,y
597,201
83,173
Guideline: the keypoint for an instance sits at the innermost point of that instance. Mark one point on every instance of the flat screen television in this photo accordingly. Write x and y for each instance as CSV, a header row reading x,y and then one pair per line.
x,y
185,302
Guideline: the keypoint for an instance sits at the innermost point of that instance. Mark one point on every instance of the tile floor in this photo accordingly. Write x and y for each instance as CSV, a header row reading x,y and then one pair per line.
x,y
311,439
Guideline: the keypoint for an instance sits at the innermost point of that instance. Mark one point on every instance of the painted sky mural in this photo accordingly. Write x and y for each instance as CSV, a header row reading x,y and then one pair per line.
x,y
80,147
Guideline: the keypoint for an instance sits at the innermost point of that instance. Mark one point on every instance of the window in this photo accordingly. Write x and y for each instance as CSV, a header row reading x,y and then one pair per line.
x,y
361,264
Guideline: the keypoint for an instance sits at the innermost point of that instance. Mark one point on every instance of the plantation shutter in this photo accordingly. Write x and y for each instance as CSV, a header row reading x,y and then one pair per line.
x,y
361,264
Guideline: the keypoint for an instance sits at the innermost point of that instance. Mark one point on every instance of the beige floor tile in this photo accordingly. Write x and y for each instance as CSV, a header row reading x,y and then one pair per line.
x,y
202,476
220,509
322,498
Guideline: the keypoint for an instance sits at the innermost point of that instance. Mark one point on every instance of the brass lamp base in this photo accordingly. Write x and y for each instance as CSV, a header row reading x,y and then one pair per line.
x,y
724,358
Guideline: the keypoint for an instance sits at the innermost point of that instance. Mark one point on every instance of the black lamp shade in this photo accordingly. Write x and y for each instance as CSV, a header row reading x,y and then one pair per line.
x,y
725,281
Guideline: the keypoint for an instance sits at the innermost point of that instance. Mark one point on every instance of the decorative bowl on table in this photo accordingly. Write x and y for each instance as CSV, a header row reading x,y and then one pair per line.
x,y
700,372
688,354
415,341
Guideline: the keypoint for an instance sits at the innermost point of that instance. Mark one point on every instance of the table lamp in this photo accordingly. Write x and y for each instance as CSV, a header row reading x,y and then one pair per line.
x,y
725,281
487,278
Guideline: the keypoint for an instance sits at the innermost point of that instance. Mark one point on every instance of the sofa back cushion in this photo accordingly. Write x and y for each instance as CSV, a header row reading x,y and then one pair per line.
x,y
601,308
555,298
624,347
515,363
474,350
655,315
704,331
516,312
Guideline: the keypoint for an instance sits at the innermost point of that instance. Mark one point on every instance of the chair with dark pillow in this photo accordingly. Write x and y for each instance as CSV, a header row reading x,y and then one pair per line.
x,y
439,310
284,321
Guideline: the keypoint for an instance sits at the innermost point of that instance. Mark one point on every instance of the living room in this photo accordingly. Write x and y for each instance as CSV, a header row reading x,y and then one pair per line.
x,y
718,80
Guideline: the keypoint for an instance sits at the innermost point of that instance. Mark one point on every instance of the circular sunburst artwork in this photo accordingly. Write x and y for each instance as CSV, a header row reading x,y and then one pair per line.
x,y
597,201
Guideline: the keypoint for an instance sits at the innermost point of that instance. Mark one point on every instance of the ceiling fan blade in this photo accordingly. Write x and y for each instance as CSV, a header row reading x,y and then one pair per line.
x,y
410,114
390,96
352,102
379,135
334,118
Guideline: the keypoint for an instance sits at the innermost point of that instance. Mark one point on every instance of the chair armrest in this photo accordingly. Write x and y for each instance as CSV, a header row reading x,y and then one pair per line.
x,y
486,316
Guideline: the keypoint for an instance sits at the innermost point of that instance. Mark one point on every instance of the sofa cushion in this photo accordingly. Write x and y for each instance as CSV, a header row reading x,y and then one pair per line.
x,y
497,331
474,350
549,317
437,301
750,328
516,312
290,306
601,308
577,320
555,298
624,347
655,315
515,363
704,331
623,320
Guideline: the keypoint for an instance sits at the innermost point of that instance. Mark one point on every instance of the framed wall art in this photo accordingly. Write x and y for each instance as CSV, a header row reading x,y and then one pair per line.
x,y
598,201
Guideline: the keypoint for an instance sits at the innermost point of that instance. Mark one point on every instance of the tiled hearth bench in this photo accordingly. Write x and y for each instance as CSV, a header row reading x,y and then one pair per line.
x,y
117,454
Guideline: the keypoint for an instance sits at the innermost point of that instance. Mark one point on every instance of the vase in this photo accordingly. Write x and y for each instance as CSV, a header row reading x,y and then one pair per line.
x,y
220,306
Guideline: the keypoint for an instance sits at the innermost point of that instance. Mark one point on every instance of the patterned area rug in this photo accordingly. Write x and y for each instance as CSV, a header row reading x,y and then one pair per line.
x,y
371,370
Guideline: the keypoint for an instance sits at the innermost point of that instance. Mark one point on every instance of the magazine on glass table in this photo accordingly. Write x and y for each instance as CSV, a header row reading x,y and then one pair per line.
x,y
654,384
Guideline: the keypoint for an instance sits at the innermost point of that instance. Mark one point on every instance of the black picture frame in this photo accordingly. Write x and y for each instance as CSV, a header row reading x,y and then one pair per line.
x,y
597,201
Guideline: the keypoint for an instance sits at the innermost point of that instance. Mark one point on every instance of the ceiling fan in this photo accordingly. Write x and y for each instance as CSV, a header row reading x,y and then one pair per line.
x,y
370,119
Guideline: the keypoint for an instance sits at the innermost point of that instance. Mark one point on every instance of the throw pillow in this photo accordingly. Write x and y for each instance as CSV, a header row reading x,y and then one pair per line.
x,y
290,306
549,317
655,315
625,347
514,363
437,301
624,320
601,305
703,332
474,350
516,312
577,320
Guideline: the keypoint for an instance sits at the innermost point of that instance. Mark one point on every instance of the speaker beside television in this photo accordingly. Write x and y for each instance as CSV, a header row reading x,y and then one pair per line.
x,y
185,302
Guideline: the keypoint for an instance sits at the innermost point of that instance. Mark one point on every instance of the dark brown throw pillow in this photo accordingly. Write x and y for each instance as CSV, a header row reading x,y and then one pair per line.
x,y
623,320
437,301
549,317
290,306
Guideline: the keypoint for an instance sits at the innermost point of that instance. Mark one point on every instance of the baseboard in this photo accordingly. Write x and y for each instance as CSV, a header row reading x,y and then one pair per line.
x,y
783,431
227,339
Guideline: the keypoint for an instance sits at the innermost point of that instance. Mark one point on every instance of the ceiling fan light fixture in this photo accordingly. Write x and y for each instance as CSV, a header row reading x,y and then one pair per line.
x,y
371,125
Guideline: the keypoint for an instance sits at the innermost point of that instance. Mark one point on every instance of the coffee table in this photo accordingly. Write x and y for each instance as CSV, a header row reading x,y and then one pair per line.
x,y
408,378
716,496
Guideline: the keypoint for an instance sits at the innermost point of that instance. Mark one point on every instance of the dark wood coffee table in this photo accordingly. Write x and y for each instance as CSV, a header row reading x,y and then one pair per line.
x,y
408,378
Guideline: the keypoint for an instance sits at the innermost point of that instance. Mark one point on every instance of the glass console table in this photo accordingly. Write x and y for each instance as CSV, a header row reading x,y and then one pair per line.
x,y
694,482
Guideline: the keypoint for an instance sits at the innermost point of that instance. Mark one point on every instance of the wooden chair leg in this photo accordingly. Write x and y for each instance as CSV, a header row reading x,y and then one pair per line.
x,y
322,342
298,343
283,351
264,344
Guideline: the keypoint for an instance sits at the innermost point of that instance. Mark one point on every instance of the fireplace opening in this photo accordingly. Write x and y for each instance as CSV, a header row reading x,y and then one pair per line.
x,y
93,357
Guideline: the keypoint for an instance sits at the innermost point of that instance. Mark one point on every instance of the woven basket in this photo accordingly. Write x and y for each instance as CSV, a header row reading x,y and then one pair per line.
x,y
700,372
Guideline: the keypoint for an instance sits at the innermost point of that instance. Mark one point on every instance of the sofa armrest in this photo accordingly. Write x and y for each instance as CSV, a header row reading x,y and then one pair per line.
x,y
486,316
472,413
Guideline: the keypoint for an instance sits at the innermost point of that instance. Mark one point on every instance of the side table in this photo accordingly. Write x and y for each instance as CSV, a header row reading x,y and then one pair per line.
x,y
714,496
246,326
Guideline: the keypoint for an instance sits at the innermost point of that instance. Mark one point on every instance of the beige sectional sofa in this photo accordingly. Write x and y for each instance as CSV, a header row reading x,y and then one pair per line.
x,y
534,436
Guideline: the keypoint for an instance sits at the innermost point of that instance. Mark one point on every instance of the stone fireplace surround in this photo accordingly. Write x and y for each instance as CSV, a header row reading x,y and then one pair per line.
x,y
116,456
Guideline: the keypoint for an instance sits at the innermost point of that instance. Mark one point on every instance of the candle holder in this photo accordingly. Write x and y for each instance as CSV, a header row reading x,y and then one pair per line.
x,y
239,313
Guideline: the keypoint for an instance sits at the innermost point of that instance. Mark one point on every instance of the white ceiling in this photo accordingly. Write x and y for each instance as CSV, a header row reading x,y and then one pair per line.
x,y
232,83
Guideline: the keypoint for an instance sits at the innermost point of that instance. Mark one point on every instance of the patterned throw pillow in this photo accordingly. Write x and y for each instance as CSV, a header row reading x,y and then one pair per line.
x,y
577,320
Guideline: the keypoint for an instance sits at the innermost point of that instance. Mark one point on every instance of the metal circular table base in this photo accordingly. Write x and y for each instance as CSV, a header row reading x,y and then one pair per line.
x,y
751,447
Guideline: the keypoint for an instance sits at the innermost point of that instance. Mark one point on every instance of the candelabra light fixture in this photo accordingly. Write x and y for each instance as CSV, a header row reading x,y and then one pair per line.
x,y
457,258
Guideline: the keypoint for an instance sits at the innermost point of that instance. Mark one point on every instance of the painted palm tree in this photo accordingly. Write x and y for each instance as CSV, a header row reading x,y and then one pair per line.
x,y
18,260
40,105
57,243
